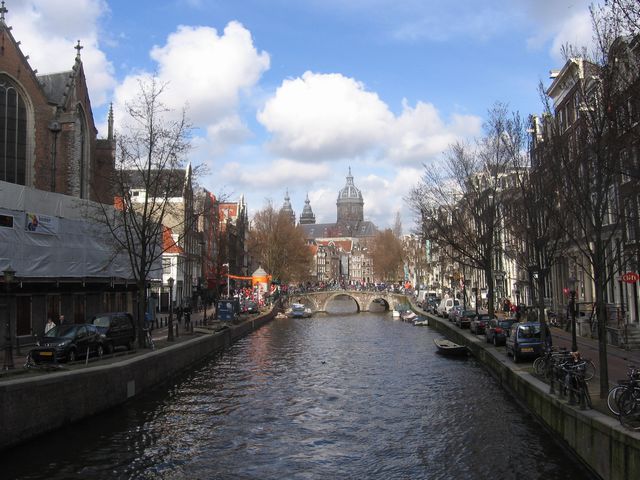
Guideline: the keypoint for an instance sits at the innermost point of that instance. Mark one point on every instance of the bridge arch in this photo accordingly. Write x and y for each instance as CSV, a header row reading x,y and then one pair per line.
x,y
364,300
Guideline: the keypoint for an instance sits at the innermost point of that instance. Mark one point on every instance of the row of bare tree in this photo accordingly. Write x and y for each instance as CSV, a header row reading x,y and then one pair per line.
x,y
536,191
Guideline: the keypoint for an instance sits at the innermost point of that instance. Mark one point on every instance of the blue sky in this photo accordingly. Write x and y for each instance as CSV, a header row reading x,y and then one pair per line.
x,y
288,94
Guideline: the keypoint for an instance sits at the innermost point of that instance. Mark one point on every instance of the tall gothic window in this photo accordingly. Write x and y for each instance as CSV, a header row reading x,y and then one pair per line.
x,y
13,133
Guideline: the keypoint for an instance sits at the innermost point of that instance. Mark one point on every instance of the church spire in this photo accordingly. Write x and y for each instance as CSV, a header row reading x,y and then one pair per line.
x,y
110,123
3,11
307,217
78,47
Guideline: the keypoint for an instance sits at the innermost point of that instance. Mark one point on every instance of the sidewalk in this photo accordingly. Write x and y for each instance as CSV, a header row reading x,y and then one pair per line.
x,y
159,336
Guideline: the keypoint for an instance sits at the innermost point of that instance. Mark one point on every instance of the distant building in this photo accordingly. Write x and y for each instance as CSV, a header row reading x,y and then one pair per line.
x,y
340,248
350,222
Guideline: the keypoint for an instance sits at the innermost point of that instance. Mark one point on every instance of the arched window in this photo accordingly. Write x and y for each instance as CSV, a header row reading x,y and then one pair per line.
x,y
13,133
82,154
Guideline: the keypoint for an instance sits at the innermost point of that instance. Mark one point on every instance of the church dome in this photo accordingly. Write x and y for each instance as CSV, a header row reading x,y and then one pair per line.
x,y
350,191
350,202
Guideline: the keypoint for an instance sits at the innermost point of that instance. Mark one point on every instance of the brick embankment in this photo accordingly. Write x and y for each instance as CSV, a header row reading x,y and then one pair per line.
x,y
599,441
36,403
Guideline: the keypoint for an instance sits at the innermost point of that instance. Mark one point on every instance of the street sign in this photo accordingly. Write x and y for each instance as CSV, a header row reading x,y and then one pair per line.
x,y
630,277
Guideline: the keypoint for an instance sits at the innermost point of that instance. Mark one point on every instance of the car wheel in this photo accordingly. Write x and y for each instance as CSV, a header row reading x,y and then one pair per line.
x,y
71,356
100,350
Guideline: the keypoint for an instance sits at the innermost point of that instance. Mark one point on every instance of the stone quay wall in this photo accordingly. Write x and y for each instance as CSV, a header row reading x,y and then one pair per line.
x,y
598,440
39,404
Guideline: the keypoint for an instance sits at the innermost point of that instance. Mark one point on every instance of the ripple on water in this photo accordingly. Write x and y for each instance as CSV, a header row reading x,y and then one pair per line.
x,y
353,396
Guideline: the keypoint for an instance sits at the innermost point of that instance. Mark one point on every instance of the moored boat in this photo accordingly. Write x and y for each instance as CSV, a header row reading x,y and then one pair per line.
x,y
447,347
421,322
408,316
298,310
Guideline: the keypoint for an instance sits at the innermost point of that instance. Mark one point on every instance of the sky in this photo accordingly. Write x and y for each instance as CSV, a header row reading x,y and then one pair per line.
x,y
287,95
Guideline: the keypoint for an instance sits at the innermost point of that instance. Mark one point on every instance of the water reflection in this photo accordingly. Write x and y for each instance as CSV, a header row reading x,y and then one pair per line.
x,y
334,396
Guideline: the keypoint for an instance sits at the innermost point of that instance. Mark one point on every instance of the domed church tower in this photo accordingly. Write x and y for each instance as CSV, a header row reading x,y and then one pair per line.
x,y
350,203
307,217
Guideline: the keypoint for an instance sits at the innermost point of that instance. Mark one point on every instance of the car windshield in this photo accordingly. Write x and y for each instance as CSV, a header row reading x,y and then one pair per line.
x,y
66,331
529,331
101,321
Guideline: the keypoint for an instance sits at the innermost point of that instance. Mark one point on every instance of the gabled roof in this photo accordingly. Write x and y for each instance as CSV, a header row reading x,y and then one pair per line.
x,y
168,243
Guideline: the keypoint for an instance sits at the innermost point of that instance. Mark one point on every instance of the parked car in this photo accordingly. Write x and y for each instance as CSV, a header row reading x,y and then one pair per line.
x,y
446,304
432,304
463,319
68,342
118,328
497,329
454,312
249,306
479,323
524,341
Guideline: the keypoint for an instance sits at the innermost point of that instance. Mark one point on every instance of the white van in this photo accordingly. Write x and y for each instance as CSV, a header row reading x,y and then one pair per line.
x,y
445,305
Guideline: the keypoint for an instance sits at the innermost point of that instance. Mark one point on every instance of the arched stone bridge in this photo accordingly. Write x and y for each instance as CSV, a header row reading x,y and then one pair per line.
x,y
318,301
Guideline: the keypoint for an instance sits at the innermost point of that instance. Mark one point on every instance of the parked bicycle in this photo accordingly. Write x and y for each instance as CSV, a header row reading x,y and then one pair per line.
x,y
575,383
613,398
148,339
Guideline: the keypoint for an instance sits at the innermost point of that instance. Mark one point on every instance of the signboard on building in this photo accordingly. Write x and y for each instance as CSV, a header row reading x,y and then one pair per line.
x,y
630,277
38,223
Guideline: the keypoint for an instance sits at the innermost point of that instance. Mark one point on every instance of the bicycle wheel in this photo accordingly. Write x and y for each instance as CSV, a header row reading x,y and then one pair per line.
x,y
614,397
583,390
629,403
539,366
589,370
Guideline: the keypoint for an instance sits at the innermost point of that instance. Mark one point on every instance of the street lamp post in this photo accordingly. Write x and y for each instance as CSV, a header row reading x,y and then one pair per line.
x,y
228,280
571,283
170,329
8,352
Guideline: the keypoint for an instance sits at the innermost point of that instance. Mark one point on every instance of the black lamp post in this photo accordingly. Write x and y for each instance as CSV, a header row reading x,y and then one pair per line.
x,y
170,329
9,274
571,284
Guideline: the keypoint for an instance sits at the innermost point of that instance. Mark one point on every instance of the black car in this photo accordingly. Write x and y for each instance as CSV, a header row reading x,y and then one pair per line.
x,y
68,342
118,328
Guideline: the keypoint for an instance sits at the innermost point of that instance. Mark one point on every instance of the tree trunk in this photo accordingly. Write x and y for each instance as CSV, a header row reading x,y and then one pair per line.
x,y
490,305
601,314
142,308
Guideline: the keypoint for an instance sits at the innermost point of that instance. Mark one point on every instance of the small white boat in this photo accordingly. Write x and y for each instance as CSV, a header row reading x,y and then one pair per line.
x,y
408,316
298,310
421,322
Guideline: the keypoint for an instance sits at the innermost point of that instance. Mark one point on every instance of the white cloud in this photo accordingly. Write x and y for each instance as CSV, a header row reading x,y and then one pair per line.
x,y
267,175
320,116
419,133
332,117
207,73
558,23
49,30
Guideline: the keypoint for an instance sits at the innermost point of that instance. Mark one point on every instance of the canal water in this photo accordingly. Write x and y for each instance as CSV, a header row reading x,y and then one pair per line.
x,y
330,397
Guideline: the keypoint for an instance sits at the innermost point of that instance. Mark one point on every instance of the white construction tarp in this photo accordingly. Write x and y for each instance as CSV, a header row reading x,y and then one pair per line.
x,y
55,235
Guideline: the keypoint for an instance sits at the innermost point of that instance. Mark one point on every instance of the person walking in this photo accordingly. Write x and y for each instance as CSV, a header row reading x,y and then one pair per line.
x,y
49,325
61,320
